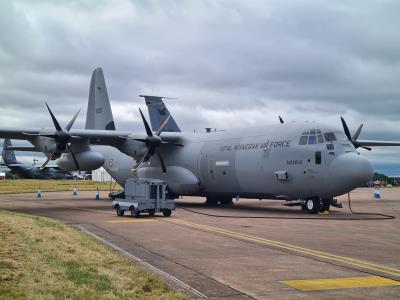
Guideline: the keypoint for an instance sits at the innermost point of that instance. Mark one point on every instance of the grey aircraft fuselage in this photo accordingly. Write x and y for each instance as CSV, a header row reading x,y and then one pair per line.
x,y
285,161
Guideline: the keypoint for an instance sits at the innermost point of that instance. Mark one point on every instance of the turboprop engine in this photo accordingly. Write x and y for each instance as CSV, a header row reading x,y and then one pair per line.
x,y
87,161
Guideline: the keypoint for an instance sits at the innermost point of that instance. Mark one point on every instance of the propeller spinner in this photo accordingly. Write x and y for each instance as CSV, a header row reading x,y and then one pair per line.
x,y
153,141
62,138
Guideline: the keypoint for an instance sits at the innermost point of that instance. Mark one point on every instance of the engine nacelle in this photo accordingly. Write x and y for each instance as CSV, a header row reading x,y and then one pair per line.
x,y
87,160
133,148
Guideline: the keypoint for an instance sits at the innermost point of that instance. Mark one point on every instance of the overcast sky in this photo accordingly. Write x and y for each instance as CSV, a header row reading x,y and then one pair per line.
x,y
230,63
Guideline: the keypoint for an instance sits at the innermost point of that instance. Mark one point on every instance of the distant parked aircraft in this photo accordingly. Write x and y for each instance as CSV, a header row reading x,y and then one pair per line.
x,y
29,171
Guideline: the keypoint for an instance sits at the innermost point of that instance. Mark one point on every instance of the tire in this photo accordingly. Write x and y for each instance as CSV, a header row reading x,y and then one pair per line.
x,y
226,201
313,205
211,201
152,212
135,213
119,211
326,203
167,212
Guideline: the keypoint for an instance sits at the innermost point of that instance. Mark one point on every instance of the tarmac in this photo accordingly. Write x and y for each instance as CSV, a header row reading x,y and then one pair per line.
x,y
277,253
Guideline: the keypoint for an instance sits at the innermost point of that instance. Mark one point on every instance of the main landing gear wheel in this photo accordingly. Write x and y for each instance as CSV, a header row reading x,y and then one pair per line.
x,y
313,205
119,211
326,203
167,212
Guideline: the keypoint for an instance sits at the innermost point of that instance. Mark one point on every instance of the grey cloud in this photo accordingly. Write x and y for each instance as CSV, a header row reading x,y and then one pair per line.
x,y
233,60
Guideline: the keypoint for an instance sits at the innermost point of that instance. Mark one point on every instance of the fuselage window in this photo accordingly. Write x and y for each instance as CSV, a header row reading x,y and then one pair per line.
x,y
330,137
330,147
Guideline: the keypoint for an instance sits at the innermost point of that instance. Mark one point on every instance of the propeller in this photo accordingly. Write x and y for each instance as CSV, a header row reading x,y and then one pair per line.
x,y
62,138
153,141
353,139
281,120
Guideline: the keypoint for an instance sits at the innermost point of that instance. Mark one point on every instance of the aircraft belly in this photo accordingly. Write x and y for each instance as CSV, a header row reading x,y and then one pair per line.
x,y
117,164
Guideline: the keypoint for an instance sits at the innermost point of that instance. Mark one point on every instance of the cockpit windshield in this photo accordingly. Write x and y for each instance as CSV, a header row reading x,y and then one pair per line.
x,y
311,137
315,136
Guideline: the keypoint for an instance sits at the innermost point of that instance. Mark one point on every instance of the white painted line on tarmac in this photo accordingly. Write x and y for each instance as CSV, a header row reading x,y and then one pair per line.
x,y
146,264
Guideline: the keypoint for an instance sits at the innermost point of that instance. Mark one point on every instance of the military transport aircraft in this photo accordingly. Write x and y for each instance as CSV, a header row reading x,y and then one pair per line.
x,y
308,163
29,171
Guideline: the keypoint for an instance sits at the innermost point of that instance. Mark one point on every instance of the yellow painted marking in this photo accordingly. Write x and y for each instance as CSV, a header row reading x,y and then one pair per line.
x,y
315,253
340,283
133,221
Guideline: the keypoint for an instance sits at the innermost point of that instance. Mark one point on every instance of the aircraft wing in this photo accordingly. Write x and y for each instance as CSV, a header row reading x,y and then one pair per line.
x,y
98,137
18,133
377,143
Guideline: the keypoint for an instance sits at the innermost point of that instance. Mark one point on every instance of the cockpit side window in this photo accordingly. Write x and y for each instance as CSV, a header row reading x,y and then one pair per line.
x,y
330,137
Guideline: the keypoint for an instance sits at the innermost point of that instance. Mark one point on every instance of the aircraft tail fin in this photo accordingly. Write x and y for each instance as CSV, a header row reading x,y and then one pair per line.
x,y
8,155
158,113
99,114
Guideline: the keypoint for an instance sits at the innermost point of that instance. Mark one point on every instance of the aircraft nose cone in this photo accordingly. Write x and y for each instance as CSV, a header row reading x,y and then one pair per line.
x,y
349,171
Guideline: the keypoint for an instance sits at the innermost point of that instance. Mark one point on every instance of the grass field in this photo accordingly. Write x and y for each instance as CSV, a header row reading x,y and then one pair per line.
x,y
31,186
45,259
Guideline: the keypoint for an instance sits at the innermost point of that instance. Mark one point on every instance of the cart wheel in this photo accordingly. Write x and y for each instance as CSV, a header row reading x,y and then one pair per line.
x,y
135,213
167,212
152,212
119,211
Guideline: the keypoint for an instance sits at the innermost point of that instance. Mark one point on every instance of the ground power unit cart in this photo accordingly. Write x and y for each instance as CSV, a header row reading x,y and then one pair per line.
x,y
144,196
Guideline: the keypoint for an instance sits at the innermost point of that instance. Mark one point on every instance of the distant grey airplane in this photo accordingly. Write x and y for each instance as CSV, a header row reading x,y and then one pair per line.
x,y
308,163
29,171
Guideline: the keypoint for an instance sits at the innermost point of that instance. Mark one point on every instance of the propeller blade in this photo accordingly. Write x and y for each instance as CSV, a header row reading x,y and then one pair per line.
x,y
146,125
366,148
73,157
138,164
56,124
72,121
41,168
357,133
164,169
281,120
159,131
346,129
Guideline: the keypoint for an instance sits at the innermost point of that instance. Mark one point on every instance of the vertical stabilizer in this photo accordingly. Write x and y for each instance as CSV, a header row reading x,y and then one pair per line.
x,y
8,155
99,114
158,113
